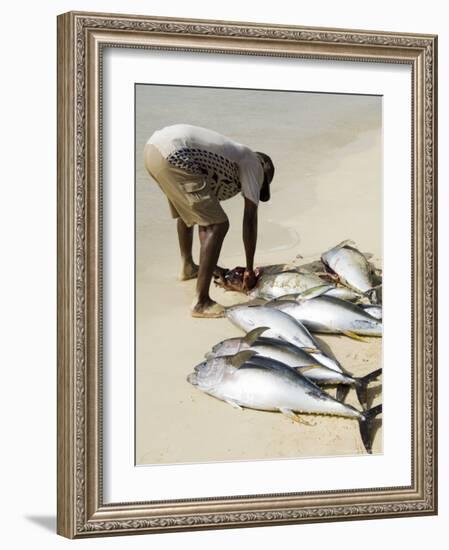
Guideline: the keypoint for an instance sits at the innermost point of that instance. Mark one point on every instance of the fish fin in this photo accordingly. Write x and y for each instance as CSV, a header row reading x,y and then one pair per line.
x,y
342,392
371,294
273,302
371,376
353,335
254,334
366,426
362,394
347,242
290,296
362,386
234,404
305,368
313,292
311,350
256,302
241,357
290,414
287,298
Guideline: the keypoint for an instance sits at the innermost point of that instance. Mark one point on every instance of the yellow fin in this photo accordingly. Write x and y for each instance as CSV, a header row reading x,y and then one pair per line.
x,y
313,292
354,336
241,357
311,350
293,416
254,334
309,367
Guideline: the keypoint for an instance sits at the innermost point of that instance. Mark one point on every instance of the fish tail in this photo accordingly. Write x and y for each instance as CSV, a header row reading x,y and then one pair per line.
x,y
366,425
342,392
372,294
361,385
343,244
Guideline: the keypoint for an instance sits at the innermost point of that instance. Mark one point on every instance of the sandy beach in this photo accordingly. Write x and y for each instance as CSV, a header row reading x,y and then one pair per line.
x,y
327,188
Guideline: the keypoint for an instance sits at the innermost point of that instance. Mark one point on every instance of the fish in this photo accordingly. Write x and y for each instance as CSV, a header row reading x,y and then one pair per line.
x,y
281,326
268,349
275,285
322,376
352,268
276,388
271,283
326,314
344,293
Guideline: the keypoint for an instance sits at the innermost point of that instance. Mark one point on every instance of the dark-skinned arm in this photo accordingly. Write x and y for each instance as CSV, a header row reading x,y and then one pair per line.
x,y
249,241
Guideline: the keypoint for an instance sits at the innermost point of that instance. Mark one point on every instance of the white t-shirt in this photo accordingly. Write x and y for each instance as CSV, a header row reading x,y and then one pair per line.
x,y
230,165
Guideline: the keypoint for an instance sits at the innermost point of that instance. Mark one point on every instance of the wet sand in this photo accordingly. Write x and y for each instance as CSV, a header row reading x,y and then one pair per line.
x,y
327,188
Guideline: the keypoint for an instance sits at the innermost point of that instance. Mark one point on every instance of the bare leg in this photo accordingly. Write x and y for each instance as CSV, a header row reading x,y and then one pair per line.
x,y
211,238
189,269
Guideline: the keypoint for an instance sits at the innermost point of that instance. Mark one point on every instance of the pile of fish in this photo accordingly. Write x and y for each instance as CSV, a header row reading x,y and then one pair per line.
x,y
279,365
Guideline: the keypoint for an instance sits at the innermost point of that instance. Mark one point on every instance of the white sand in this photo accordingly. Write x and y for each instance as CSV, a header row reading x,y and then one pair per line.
x,y
327,187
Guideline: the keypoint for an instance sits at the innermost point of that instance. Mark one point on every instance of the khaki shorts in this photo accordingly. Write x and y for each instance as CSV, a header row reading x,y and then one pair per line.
x,y
189,195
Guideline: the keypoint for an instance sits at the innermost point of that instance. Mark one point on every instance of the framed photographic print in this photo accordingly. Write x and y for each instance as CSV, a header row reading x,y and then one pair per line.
x,y
246,274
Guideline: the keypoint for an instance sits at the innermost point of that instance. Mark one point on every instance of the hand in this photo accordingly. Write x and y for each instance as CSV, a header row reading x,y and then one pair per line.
x,y
220,272
249,280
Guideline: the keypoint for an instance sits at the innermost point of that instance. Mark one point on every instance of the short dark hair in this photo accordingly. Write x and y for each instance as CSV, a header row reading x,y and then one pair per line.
x,y
268,170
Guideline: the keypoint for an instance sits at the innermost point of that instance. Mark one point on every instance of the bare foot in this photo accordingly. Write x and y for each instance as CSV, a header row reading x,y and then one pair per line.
x,y
188,271
208,310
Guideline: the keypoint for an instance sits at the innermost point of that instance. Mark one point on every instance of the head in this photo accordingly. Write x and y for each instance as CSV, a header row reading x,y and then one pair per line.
x,y
243,316
226,347
208,374
268,171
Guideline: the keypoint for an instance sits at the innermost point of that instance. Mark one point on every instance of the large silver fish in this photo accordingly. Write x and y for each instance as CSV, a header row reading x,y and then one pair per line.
x,y
275,285
323,376
274,388
326,314
281,326
271,350
270,347
352,268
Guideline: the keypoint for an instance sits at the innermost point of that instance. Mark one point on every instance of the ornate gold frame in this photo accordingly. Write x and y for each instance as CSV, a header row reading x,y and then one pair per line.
x,y
81,37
